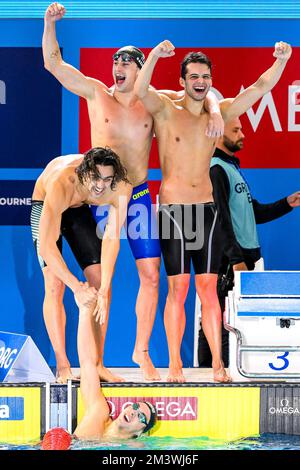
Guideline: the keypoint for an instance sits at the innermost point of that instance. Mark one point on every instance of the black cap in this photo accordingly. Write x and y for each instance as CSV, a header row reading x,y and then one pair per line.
x,y
153,416
135,53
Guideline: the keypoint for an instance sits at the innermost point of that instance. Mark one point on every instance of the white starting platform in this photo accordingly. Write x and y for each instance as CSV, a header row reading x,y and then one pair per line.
x,y
262,315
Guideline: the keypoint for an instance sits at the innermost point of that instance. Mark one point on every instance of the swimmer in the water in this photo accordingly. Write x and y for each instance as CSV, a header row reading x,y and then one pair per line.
x,y
96,423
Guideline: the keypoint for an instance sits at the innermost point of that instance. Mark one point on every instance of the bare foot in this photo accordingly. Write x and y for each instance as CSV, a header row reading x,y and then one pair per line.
x,y
63,374
176,375
107,376
149,372
221,376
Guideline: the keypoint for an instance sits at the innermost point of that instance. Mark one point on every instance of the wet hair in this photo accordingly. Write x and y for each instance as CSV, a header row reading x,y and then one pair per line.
x,y
194,58
101,156
153,416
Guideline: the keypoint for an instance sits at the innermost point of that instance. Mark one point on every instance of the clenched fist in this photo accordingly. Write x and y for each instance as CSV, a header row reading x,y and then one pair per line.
x,y
282,51
54,12
164,49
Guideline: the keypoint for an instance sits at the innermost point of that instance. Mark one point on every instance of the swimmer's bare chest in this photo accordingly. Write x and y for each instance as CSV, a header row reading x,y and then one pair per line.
x,y
185,154
116,125
184,145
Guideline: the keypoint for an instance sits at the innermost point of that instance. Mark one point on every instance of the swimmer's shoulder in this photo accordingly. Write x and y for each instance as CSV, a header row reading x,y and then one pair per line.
x,y
98,86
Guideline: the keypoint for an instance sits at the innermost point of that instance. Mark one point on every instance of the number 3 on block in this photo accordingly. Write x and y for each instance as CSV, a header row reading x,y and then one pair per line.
x,y
283,358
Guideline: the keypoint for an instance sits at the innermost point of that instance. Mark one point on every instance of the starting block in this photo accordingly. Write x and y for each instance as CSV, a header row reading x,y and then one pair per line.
x,y
262,315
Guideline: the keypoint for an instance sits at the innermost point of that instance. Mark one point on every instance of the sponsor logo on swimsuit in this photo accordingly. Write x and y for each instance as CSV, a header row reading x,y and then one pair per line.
x,y
285,408
15,201
2,92
168,408
11,408
140,194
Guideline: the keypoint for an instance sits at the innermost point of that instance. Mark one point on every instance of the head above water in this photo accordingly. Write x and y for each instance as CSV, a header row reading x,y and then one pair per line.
x,y
130,53
103,165
135,420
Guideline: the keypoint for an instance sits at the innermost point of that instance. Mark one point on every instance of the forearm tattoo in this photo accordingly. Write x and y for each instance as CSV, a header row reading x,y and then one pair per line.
x,y
54,54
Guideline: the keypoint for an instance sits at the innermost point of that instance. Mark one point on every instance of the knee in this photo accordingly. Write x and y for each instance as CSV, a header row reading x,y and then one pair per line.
x,y
53,286
150,278
93,275
178,292
208,294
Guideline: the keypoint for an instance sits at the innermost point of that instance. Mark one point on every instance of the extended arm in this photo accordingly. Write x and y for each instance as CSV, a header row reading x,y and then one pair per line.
x,y
234,108
110,248
66,74
96,410
55,204
268,212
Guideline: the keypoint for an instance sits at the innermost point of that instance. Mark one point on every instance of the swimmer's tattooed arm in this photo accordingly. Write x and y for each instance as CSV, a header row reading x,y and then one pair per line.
x,y
68,76
55,54
232,108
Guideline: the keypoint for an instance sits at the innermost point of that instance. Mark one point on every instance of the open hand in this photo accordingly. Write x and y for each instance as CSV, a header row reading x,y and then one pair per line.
x,y
215,126
101,310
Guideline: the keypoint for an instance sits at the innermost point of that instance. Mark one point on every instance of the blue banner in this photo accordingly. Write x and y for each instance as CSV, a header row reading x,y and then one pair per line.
x,y
30,109
15,202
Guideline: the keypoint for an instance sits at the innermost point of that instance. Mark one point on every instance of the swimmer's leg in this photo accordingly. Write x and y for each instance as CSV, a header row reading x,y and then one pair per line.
x,y
175,319
55,320
211,319
146,304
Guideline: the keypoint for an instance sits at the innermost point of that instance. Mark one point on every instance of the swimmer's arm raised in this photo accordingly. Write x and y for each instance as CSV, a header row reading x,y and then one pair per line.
x,y
96,410
66,74
153,101
54,205
110,247
233,108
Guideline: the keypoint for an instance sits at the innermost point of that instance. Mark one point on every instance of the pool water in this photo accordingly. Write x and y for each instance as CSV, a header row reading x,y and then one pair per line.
x,y
263,442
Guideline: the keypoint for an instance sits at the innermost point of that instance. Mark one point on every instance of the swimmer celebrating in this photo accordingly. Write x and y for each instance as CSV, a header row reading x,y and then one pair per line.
x,y
121,121
186,201
60,202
